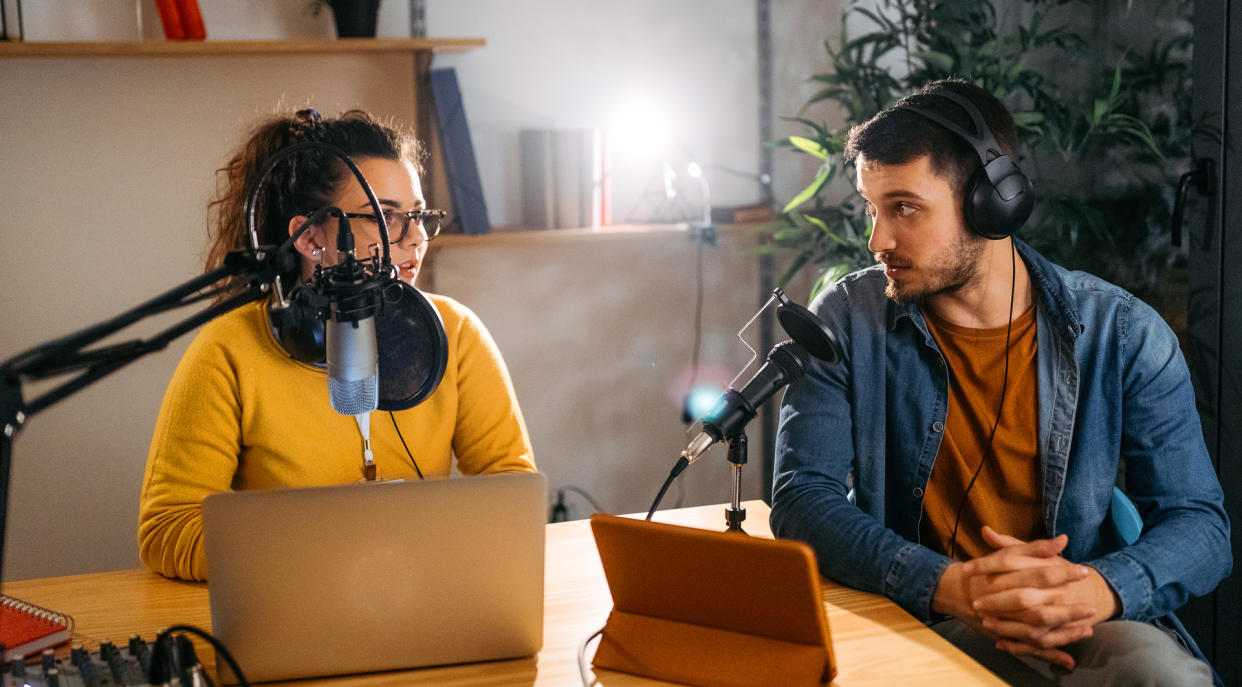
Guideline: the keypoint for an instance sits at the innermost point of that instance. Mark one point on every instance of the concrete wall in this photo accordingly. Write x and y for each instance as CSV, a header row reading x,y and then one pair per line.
x,y
106,165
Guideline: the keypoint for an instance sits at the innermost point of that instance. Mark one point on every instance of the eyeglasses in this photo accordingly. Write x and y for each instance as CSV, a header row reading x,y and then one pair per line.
x,y
427,222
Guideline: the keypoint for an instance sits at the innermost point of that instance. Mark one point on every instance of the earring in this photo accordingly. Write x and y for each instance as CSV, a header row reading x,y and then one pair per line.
x,y
317,253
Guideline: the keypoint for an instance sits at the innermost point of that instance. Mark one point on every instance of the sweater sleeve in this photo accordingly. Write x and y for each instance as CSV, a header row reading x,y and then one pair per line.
x,y
490,434
194,453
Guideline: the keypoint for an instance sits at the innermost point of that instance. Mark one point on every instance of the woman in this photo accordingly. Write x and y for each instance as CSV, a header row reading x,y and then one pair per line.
x,y
241,413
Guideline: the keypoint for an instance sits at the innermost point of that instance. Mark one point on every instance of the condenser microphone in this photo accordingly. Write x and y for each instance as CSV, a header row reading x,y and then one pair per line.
x,y
353,366
349,334
786,362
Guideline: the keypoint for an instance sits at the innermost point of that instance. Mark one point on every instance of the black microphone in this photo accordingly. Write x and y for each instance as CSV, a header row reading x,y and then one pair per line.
x,y
355,296
786,362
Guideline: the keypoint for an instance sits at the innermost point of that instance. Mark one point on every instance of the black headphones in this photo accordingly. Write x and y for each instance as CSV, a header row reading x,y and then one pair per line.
x,y
297,328
998,198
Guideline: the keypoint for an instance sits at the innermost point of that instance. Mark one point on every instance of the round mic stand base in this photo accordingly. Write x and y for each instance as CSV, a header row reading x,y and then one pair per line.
x,y
735,514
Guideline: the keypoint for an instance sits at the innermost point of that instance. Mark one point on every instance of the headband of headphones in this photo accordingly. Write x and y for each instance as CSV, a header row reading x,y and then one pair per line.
x,y
999,199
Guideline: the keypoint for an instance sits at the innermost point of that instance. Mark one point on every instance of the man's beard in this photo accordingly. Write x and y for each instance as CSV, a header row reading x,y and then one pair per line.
x,y
949,272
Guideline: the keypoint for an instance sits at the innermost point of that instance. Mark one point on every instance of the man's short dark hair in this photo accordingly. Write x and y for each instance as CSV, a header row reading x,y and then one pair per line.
x,y
896,136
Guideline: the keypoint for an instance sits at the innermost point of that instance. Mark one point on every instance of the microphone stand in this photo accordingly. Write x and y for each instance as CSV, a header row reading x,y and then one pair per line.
x,y
735,514
813,338
261,266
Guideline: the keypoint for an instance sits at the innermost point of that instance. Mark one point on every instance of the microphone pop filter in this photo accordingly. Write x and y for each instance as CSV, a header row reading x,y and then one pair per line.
x,y
412,346
813,333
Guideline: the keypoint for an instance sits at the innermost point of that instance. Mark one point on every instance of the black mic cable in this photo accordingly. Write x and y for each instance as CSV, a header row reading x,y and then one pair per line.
x,y
1013,282
167,655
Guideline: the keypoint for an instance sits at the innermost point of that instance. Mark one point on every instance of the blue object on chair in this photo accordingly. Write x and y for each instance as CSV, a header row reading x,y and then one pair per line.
x,y
1126,520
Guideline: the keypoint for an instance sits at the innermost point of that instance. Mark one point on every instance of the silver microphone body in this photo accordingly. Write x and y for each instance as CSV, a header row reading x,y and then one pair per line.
x,y
353,365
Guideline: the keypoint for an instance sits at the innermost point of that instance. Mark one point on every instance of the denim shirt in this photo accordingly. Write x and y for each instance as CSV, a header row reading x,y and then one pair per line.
x,y
1113,389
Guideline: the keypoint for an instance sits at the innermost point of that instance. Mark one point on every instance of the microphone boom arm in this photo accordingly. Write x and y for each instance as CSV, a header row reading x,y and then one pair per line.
x,y
67,354
262,266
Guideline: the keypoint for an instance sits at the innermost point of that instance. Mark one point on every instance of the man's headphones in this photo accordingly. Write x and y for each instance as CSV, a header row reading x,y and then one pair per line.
x,y
998,198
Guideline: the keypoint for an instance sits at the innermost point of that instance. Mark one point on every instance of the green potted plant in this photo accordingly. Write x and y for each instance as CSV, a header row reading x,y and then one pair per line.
x,y
1105,130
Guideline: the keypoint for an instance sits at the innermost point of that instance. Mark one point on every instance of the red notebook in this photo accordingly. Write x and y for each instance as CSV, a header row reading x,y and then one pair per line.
x,y
26,628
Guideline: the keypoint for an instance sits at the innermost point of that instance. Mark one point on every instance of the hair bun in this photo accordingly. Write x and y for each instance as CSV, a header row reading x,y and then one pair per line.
x,y
304,122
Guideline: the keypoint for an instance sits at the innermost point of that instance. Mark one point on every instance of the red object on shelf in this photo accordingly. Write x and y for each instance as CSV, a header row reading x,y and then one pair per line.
x,y
191,20
170,18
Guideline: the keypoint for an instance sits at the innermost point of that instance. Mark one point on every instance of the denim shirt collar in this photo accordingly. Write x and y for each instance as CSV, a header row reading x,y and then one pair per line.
x,y
1052,291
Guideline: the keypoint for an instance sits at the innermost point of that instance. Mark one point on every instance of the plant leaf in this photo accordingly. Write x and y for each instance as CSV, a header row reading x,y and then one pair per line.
x,y
807,145
828,278
826,171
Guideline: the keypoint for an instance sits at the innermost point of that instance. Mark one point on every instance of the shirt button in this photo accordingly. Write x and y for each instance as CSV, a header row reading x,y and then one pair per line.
x,y
918,492
937,426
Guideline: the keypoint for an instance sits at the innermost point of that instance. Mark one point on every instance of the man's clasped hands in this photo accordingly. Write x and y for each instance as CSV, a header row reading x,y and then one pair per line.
x,y
1026,596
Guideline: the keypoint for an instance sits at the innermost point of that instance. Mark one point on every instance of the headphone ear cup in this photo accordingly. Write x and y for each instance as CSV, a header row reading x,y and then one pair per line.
x,y
997,211
297,330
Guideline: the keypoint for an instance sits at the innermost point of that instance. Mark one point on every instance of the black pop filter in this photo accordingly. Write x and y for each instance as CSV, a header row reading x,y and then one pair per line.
x,y
412,347
410,341
805,328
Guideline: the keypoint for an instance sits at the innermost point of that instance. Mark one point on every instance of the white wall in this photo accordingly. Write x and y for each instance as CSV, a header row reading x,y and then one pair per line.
x,y
573,64
598,332
106,165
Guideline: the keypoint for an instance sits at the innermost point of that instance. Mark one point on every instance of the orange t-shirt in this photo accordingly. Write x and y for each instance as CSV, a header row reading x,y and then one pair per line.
x,y
1007,495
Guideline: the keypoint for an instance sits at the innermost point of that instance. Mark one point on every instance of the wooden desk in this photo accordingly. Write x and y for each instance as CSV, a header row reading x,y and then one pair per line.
x,y
876,642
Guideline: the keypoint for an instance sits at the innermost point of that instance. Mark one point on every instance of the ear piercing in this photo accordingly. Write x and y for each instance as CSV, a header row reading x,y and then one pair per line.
x,y
317,253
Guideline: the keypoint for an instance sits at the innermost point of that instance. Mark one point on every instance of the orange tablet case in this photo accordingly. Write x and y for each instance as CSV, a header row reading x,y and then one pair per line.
x,y
711,608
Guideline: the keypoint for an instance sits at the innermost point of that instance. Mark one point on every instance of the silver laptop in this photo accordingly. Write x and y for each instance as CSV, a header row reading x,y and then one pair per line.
x,y
383,576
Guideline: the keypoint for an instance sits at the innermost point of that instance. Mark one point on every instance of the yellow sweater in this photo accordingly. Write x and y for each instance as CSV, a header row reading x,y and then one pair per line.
x,y
239,413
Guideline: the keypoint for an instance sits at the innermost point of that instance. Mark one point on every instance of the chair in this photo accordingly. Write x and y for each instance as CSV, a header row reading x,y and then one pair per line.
x,y
1126,520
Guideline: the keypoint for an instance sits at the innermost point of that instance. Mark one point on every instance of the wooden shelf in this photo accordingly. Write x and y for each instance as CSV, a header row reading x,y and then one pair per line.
x,y
297,46
507,235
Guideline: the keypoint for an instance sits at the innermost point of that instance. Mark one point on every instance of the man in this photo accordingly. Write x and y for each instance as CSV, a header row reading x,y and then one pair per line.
x,y
984,404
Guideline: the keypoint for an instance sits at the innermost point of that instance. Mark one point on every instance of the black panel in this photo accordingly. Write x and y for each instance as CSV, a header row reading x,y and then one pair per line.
x,y
1203,235
1229,439
1215,306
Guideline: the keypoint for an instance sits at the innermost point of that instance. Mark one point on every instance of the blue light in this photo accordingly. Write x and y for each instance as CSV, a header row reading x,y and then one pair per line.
x,y
702,398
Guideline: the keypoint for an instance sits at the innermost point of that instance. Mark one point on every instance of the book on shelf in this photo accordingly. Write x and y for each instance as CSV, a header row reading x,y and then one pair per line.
x,y
26,628
743,214
460,166
170,19
191,20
